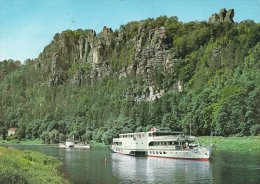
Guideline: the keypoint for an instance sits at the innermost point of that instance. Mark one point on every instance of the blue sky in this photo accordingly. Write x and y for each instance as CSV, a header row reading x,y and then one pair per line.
x,y
27,26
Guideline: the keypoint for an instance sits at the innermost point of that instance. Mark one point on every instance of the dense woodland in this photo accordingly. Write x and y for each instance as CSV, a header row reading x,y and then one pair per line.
x,y
218,64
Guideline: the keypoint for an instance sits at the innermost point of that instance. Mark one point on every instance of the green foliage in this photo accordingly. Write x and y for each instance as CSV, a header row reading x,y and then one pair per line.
x,y
232,143
28,168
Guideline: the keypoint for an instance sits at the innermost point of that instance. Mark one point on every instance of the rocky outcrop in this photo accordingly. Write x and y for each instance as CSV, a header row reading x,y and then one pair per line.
x,y
222,16
82,56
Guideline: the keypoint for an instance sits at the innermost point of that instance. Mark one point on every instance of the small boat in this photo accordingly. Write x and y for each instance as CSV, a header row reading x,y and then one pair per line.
x,y
81,145
161,143
74,144
67,144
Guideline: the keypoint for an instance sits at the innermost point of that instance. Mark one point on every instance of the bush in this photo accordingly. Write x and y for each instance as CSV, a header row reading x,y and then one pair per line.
x,y
11,137
255,130
28,167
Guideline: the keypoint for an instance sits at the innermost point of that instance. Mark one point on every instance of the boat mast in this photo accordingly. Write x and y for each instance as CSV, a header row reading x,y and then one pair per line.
x,y
190,129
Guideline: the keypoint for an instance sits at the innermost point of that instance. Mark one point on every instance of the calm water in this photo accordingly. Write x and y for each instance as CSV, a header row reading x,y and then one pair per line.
x,y
89,166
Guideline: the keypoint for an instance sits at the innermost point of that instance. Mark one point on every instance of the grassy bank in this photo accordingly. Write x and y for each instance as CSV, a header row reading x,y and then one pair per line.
x,y
27,167
23,142
40,142
95,144
232,143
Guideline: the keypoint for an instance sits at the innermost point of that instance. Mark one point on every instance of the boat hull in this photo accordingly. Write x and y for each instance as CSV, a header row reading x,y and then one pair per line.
x,y
181,158
82,146
201,153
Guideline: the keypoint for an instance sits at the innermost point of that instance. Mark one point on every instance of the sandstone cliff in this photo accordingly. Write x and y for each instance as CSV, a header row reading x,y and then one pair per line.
x,y
82,56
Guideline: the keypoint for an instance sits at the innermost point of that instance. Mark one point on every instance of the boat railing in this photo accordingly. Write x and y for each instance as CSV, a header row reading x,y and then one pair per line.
x,y
176,137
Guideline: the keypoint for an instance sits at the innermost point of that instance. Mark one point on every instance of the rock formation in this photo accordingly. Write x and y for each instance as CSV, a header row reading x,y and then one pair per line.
x,y
82,56
222,16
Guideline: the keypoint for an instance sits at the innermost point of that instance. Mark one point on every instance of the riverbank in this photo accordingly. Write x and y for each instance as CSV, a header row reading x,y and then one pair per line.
x,y
93,144
251,143
22,142
29,167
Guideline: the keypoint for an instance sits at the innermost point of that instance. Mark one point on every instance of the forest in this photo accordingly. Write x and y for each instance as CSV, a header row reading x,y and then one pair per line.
x,y
217,64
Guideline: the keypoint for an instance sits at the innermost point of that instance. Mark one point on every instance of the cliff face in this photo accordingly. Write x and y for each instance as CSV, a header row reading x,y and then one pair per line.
x,y
82,56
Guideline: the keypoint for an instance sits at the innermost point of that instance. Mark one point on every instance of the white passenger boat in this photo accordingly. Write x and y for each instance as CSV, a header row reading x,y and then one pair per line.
x,y
67,144
160,142
74,144
71,143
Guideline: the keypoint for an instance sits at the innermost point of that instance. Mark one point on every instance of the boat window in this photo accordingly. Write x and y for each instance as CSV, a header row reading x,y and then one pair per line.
x,y
170,143
164,152
150,134
156,152
160,152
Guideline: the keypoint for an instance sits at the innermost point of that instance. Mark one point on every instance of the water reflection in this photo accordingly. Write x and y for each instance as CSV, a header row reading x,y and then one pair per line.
x,y
157,170
83,166
236,167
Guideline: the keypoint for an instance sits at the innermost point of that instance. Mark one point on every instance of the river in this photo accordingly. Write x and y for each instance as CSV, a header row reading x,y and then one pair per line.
x,y
101,166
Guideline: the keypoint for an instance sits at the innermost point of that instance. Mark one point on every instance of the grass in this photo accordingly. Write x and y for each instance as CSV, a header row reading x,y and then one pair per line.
x,y
27,167
232,143
95,144
22,142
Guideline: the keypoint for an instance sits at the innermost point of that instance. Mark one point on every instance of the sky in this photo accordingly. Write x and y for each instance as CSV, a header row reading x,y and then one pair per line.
x,y
27,26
